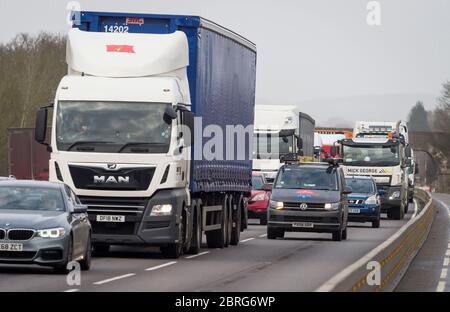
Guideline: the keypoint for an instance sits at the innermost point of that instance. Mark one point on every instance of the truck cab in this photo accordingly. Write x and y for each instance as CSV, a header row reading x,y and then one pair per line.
x,y
280,131
382,154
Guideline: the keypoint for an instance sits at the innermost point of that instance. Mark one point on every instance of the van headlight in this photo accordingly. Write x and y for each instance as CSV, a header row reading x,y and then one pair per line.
x,y
372,200
331,206
276,205
161,210
51,233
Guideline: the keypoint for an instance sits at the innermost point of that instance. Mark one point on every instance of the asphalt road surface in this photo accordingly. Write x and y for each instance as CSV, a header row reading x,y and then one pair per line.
x,y
300,262
429,270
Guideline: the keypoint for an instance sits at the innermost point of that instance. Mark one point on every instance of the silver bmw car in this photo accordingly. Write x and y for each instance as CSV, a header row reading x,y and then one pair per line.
x,y
43,223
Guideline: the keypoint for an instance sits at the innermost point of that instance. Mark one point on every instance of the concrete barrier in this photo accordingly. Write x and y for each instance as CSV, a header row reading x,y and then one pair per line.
x,y
390,260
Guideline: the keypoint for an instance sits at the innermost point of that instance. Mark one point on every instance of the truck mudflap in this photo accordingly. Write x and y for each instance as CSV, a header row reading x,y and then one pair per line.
x,y
137,226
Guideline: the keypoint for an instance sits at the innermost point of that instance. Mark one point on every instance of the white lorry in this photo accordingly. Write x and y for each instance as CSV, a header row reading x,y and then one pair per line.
x,y
380,150
279,131
123,133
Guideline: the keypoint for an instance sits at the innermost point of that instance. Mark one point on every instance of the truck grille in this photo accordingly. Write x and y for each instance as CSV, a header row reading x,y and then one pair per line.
x,y
131,207
19,234
91,178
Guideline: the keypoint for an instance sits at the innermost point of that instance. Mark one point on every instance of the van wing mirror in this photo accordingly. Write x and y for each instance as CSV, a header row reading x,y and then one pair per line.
x,y
347,190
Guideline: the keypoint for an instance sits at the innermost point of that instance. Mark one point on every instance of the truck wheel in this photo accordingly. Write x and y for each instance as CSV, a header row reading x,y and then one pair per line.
x,y
237,221
274,233
216,238
337,236
196,242
101,249
263,219
228,220
244,224
175,250
396,213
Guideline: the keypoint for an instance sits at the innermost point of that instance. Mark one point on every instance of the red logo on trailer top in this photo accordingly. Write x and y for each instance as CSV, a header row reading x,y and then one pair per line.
x,y
121,48
135,21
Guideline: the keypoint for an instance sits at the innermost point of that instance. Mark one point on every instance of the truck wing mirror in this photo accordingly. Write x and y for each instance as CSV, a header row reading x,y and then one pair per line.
x,y
188,122
333,151
299,143
408,151
40,130
286,132
416,168
169,115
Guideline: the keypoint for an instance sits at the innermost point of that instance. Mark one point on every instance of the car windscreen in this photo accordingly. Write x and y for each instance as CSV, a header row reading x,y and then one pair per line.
x,y
257,183
364,186
31,198
312,178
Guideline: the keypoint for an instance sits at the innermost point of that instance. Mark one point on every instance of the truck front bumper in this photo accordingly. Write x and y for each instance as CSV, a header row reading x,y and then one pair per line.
x,y
142,228
288,220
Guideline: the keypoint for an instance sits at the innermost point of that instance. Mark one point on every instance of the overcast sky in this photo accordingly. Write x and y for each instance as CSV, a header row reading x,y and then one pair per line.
x,y
315,53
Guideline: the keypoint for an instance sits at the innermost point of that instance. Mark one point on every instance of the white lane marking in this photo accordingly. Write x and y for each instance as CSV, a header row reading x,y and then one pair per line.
x,y
114,279
446,262
444,273
263,235
160,266
198,255
72,290
441,286
447,254
415,208
247,240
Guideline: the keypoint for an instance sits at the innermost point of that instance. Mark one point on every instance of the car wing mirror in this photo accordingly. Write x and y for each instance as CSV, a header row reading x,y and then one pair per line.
x,y
347,190
80,209
267,187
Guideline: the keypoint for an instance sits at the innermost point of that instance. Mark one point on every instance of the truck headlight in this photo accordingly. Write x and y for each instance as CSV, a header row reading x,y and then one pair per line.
x,y
395,195
276,205
161,210
51,233
331,206
259,197
372,200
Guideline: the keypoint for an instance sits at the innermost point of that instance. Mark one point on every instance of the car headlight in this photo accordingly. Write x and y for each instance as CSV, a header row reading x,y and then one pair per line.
x,y
331,206
276,205
372,200
51,233
161,210
395,195
259,197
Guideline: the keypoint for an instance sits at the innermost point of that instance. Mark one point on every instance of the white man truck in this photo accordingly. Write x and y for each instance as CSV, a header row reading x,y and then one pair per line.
x,y
280,131
131,129
380,150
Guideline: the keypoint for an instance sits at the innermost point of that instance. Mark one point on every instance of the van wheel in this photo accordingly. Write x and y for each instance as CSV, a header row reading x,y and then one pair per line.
x,y
274,233
337,236
344,234
263,219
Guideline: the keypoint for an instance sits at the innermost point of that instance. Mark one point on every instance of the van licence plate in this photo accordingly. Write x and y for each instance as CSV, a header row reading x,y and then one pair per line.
x,y
303,224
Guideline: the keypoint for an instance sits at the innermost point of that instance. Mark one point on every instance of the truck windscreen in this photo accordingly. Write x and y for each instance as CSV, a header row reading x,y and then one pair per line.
x,y
112,127
266,146
371,155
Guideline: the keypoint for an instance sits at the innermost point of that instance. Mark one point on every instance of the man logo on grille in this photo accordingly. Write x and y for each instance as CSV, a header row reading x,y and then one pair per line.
x,y
303,206
112,166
